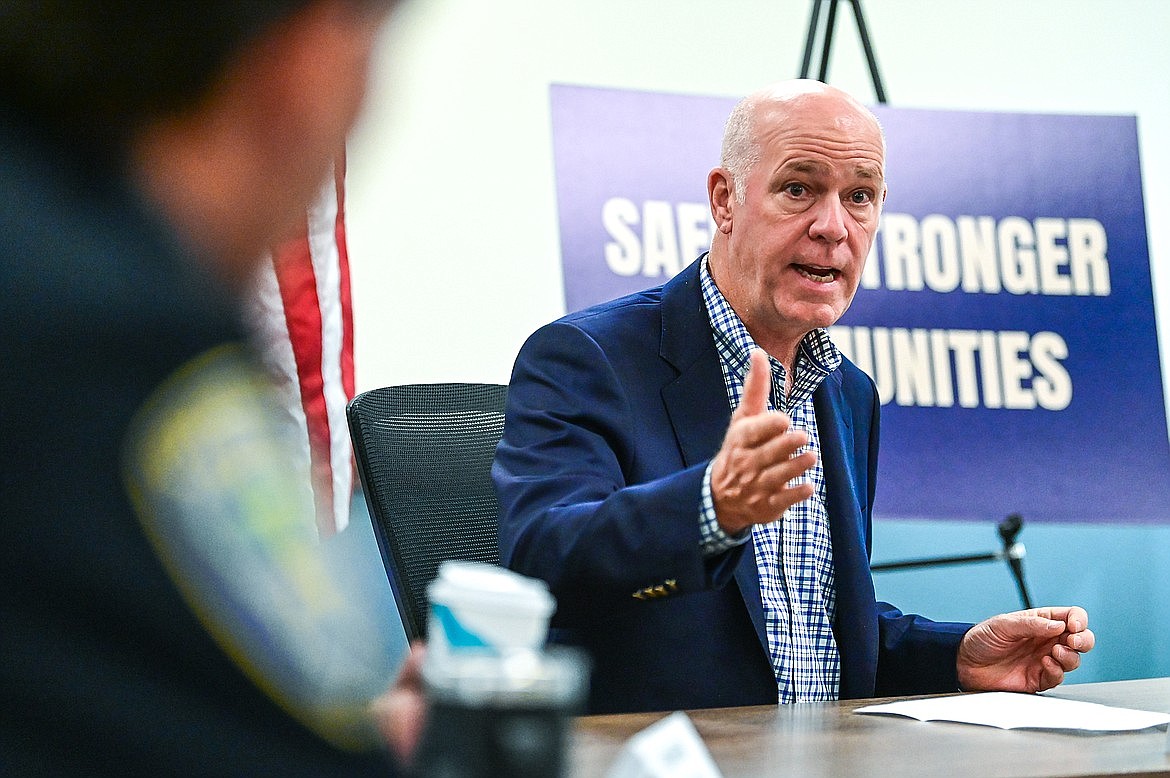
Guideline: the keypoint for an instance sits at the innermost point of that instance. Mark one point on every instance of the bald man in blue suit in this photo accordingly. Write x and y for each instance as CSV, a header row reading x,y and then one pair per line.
x,y
655,512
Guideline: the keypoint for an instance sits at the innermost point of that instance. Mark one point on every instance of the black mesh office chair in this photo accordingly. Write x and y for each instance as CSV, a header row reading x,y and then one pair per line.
x,y
424,455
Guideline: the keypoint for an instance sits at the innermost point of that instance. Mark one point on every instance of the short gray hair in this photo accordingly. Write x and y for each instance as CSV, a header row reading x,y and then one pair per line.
x,y
741,147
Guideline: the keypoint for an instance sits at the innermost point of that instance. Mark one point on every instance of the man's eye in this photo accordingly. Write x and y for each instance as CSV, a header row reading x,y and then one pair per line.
x,y
860,197
796,190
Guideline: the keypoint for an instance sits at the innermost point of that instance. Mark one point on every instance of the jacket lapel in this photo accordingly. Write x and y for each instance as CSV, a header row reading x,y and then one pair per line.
x,y
697,404
696,401
855,626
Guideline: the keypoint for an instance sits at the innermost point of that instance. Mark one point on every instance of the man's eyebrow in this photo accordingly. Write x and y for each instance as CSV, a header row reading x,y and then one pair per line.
x,y
868,171
806,166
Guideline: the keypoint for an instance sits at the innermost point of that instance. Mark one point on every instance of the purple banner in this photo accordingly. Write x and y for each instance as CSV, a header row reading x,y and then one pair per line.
x,y
1006,313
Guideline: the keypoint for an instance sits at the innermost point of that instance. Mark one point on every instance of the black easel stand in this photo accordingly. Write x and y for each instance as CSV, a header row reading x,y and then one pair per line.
x,y
1013,552
827,45
1009,528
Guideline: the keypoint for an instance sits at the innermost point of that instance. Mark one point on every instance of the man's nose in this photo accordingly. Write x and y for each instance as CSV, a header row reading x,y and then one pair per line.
x,y
829,221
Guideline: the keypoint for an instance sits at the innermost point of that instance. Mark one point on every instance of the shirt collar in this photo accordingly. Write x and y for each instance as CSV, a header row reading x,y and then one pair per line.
x,y
816,356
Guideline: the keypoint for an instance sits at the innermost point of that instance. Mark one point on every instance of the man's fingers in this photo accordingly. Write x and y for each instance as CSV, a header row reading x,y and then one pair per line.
x,y
1075,617
767,430
763,507
760,470
749,489
778,474
1082,641
1068,659
785,498
757,385
1027,625
764,459
1053,673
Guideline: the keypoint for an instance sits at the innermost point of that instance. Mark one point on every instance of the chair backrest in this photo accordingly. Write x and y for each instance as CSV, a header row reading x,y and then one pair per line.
x,y
424,455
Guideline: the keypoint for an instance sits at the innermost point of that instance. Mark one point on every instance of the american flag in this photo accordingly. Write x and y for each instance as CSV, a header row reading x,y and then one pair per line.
x,y
303,317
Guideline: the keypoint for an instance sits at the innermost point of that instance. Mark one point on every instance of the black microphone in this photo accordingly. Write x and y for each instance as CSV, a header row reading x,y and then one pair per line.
x,y
1014,552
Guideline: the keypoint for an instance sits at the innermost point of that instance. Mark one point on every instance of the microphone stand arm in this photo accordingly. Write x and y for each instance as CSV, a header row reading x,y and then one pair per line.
x,y
1012,552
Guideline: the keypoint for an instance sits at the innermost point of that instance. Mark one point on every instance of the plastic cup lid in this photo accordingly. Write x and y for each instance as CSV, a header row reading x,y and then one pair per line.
x,y
482,585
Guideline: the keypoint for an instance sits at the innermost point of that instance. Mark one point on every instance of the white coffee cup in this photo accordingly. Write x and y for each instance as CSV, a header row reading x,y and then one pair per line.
x,y
478,608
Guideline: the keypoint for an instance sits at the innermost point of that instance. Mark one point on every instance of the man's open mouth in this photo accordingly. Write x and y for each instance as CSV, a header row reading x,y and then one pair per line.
x,y
821,275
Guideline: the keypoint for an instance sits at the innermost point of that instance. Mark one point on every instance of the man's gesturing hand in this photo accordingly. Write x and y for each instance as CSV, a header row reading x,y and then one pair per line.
x,y
751,472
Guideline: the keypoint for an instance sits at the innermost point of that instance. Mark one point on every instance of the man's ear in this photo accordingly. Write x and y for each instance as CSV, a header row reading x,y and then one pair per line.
x,y
721,193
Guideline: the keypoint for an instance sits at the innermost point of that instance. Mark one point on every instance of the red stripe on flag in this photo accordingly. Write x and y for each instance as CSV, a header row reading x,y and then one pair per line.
x,y
313,278
302,310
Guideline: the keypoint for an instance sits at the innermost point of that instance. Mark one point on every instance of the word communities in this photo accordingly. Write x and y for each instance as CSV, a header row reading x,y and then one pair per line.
x,y
941,368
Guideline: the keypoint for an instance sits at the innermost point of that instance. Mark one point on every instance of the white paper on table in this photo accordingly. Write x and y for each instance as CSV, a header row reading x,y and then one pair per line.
x,y
1008,710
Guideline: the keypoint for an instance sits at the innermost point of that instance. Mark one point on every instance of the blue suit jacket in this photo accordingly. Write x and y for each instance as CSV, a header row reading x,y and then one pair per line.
x,y
613,414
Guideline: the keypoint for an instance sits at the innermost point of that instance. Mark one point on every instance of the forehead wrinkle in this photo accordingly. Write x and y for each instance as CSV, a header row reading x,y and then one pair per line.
x,y
801,141
806,166
863,169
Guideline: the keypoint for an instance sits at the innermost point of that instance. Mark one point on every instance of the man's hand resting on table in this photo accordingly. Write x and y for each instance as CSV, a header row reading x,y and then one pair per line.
x,y
1024,651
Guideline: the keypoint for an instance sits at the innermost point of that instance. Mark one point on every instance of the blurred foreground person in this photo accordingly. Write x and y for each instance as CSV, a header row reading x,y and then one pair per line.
x,y
165,606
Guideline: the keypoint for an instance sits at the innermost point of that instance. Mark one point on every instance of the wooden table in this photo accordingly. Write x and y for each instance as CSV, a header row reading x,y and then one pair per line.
x,y
829,740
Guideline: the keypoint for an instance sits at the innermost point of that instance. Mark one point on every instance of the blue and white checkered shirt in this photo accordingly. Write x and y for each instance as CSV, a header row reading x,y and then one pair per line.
x,y
794,556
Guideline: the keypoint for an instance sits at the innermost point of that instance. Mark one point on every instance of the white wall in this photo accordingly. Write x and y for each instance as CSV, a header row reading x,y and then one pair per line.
x,y
452,212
